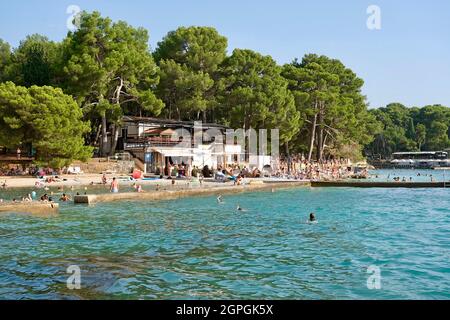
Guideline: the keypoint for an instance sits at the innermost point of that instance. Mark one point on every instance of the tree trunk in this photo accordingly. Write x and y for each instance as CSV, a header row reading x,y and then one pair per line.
x,y
97,135
313,135
324,143
115,138
317,145
170,110
288,156
104,143
320,137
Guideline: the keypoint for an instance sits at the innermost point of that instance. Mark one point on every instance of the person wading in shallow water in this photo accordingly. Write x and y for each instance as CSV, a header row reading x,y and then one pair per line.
x,y
312,217
114,186
104,179
64,198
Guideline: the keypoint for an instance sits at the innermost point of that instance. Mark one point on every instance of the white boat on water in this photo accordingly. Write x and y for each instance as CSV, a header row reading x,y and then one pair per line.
x,y
425,160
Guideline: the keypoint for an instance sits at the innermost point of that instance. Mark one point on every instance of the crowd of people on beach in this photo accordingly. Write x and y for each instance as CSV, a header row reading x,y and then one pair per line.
x,y
298,167
32,170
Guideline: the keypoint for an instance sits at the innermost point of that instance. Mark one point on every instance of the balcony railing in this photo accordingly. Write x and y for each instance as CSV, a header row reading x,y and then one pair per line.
x,y
141,143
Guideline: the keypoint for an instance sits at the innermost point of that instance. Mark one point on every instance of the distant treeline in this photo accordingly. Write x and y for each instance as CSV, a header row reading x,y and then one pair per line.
x,y
410,129
108,69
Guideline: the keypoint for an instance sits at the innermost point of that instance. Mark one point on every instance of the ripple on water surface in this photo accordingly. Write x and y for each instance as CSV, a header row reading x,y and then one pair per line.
x,y
197,249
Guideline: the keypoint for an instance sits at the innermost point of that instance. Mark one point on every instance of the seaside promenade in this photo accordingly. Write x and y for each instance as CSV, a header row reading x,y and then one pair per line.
x,y
36,208
253,186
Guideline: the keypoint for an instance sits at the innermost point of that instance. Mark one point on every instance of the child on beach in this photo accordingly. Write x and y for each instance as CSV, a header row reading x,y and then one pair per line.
x,y
137,187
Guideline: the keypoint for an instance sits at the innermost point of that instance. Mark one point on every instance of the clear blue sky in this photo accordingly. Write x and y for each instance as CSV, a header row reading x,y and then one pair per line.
x,y
407,61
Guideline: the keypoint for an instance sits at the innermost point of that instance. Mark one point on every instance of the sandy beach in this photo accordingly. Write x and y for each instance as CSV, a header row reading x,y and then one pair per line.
x,y
124,180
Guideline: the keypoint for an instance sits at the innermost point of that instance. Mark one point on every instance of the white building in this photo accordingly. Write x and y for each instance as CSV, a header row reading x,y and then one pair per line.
x,y
161,143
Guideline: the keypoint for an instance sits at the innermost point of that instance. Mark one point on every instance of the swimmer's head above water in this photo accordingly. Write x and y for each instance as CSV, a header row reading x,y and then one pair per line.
x,y
312,217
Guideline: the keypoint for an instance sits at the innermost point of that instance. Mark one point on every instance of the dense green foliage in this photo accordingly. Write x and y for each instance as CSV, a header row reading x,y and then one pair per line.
x,y
5,59
189,60
410,129
109,70
253,94
35,62
46,118
328,95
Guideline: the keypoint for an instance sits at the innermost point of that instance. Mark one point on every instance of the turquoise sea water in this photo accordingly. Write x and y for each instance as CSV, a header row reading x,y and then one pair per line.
x,y
197,249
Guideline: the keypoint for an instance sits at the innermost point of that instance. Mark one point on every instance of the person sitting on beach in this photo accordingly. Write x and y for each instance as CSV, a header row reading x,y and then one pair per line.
x,y
49,180
28,198
64,198
44,197
114,186
4,185
238,180
312,217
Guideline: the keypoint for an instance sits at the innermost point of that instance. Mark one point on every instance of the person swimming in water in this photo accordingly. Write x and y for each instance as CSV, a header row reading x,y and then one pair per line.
x,y
239,208
312,217
64,198
219,199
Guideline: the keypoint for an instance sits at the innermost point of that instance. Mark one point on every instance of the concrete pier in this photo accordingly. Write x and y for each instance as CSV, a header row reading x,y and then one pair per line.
x,y
176,194
378,184
33,208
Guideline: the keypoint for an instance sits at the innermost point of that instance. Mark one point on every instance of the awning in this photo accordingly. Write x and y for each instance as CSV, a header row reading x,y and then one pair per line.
x,y
174,152
160,132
